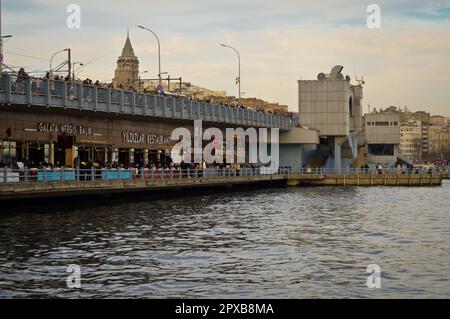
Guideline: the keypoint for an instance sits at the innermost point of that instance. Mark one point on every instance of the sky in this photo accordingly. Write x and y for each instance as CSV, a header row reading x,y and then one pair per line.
x,y
405,62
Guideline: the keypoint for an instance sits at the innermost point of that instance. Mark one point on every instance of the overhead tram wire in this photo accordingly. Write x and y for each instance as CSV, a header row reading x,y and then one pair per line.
x,y
27,56
81,68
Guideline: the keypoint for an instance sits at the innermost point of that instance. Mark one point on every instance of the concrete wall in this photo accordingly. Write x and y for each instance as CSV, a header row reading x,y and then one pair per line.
x,y
297,135
324,106
291,155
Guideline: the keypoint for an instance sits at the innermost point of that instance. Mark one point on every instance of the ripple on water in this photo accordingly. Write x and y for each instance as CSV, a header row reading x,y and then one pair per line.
x,y
279,243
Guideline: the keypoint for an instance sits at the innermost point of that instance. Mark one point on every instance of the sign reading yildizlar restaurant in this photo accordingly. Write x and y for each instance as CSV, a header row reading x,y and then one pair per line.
x,y
142,138
69,129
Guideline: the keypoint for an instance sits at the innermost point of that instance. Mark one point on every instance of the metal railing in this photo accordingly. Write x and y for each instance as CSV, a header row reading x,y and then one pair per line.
x,y
8,175
56,93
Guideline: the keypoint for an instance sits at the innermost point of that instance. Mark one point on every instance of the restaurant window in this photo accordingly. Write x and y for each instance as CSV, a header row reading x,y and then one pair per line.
x,y
124,156
37,153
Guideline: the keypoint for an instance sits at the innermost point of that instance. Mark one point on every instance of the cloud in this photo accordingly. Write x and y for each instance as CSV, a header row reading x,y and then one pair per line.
x,y
406,62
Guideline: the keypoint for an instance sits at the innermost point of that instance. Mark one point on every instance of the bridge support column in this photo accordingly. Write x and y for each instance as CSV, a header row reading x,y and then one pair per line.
x,y
337,157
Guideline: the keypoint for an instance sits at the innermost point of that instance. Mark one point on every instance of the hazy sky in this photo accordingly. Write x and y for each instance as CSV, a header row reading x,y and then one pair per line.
x,y
405,63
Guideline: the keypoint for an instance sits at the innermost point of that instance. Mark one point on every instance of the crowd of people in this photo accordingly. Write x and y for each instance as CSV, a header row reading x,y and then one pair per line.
x,y
233,103
90,170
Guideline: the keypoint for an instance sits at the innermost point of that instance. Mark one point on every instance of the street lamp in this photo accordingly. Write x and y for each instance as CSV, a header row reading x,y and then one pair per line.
x,y
54,54
159,51
73,68
143,72
239,66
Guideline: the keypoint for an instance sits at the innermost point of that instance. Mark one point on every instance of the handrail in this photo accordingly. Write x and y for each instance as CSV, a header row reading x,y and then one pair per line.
x,y
47,174
58,93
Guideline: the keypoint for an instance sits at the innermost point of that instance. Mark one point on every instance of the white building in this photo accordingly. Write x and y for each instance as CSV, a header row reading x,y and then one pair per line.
x,y
411,140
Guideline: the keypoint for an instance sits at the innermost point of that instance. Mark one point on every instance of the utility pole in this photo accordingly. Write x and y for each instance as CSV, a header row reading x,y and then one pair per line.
x,y
69,61
73,68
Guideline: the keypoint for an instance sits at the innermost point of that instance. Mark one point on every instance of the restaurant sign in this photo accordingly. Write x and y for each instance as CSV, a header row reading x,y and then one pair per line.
x,y
68,129
142,138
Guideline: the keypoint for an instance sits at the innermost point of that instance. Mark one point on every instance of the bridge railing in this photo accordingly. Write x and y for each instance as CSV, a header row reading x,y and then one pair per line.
x,y
95,174
57,93
107,174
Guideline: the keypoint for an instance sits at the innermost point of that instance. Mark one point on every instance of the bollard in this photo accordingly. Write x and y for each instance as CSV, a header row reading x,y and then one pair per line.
x,y
26,174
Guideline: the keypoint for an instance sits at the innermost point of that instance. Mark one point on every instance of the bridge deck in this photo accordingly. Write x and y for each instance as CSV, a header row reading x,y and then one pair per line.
x,y
68,95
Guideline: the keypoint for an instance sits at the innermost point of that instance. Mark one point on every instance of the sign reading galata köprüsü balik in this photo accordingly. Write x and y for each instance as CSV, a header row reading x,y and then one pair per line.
x,y
68,129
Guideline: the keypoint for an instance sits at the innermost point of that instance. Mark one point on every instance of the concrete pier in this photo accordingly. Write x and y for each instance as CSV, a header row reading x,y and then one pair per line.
x,y
387,179
29,190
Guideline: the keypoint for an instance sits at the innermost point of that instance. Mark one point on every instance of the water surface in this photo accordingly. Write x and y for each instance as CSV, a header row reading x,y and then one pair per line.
x,y
275,243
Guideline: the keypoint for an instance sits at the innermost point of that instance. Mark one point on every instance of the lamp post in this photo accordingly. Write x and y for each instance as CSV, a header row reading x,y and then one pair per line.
x,y
159,51
239,66
73,68
140,86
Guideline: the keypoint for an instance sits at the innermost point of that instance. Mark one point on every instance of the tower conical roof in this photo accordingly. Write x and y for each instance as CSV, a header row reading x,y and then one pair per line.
x,y
128,51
